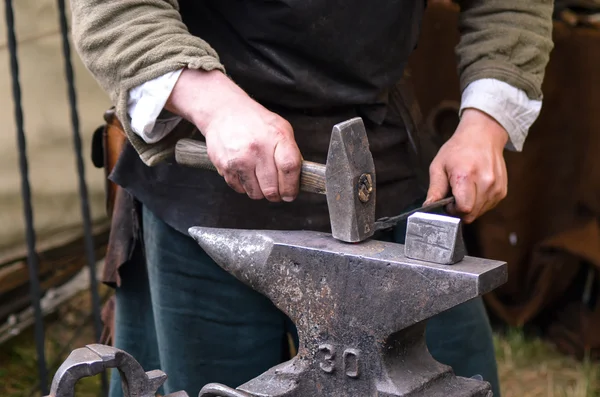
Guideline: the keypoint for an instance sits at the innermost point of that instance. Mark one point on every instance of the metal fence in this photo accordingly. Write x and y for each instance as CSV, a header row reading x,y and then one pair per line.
x,y
32,256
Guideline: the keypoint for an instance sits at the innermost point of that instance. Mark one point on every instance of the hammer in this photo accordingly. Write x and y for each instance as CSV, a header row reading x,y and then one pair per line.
x,y
347,179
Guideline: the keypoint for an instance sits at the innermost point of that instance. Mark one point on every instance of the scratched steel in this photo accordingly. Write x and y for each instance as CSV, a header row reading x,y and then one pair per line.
x,y
434,238
94,359
360,310
350,182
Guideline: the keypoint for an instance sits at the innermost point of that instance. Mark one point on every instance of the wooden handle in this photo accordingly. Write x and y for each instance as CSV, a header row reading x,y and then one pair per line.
x,y
192,153
312,178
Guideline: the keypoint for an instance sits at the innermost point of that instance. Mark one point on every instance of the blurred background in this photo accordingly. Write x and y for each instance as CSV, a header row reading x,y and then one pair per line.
x,y
546,318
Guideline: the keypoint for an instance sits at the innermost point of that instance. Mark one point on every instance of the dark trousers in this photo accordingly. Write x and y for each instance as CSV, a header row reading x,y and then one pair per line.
x,y
199,324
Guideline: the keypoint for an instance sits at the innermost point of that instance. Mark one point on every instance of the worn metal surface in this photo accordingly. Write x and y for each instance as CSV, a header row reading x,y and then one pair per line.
x,y
95,359
350,180
434,238
360,310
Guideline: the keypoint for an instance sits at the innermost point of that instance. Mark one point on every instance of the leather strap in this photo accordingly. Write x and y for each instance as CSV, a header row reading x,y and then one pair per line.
x,y
113,142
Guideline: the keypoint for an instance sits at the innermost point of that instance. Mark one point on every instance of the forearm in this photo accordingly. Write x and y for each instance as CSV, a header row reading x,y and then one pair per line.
x,y
198,94
507,40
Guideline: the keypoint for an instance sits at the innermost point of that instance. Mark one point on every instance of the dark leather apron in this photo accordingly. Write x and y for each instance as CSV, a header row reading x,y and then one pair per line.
x,y
315,63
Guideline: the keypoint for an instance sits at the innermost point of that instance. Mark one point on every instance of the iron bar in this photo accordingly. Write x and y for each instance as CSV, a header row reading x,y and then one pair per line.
x,y
83,191
32,259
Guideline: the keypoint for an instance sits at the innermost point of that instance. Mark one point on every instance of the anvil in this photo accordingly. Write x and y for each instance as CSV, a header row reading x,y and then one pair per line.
x,y
360,310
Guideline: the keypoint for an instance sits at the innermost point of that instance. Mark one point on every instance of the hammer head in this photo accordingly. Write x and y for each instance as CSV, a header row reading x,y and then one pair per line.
x,y
350,182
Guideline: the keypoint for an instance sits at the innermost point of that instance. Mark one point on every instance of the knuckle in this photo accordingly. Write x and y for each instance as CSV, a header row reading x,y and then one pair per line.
x,y
271,194
459,178
253,147
281,126
488,180
463,173
434,167
289,165
498,192
253,194
471,170
465,208
243,178
237,164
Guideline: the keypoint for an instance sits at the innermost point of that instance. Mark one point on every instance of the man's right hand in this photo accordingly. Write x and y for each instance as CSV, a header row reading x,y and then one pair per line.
x,y
251,147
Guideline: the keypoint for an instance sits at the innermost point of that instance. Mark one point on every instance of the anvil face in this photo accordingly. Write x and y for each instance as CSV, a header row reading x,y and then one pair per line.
x,y
349,302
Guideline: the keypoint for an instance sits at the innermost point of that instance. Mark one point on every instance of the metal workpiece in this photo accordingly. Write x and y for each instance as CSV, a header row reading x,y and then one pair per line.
x,y
434,238
360,310
95,359
350,179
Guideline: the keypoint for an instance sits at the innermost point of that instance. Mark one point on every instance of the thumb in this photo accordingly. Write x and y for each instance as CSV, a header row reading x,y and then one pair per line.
x,y
438,184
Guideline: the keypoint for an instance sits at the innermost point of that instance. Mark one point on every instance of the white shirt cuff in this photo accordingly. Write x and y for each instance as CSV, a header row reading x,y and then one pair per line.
x,y
508,105
146,102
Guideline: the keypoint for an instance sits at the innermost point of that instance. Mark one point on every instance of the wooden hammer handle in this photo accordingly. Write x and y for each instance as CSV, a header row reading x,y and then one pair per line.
x,y
193,153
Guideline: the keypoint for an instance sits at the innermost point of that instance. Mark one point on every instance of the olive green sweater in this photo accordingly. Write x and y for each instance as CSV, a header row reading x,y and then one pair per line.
x,y
128,42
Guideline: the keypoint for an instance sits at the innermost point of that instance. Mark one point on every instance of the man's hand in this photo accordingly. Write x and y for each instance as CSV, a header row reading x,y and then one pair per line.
x,y
251,147
472,165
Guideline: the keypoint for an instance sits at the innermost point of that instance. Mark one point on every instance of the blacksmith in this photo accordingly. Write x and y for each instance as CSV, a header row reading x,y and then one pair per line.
x,y
264,81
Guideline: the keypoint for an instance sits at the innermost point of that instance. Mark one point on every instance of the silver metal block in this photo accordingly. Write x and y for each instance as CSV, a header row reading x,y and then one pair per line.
x,y
434,238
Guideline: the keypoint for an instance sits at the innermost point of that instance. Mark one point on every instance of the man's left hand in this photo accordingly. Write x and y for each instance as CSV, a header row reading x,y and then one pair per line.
x,y
471,165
